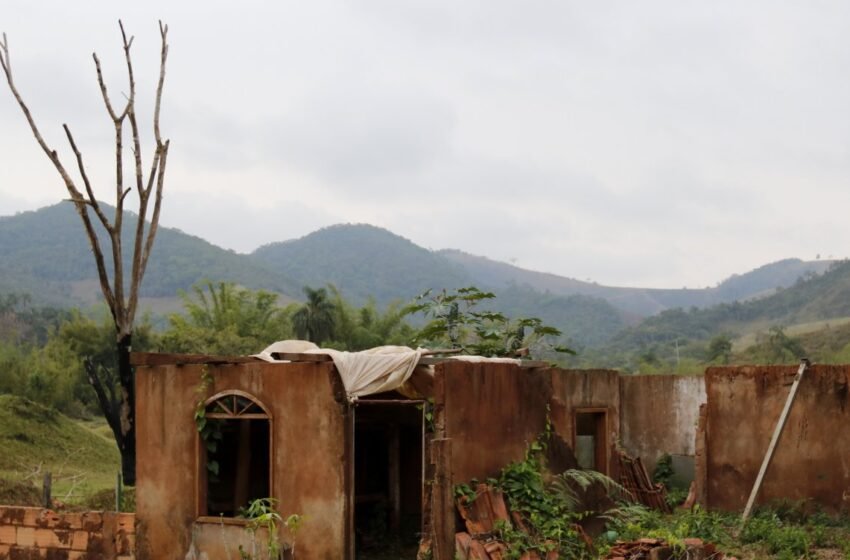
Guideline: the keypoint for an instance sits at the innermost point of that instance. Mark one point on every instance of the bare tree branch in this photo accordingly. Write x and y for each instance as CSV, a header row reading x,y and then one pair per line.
x,y
92,200
143,245
118,407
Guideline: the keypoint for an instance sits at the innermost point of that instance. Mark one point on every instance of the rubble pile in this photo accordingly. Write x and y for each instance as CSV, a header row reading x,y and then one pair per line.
x,y
485,516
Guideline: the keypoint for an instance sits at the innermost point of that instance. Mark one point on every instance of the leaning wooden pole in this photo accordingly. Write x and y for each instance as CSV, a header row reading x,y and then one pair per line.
x,y
777,432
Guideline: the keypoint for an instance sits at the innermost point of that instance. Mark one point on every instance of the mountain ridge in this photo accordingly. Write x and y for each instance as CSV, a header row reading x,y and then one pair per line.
x,y
46,251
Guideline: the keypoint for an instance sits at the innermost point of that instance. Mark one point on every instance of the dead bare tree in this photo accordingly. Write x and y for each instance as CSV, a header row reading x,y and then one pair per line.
x,y
118,406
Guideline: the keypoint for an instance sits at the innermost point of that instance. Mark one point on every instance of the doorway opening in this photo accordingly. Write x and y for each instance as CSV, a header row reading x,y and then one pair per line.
x,y
591,439
388,478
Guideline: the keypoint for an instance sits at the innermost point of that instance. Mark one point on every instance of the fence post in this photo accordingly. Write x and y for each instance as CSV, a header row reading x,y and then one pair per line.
x,y
119,491
46,489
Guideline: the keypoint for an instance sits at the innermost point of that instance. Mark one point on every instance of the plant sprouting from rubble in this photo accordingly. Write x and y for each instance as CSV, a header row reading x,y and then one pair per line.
x,y
262,513
457,321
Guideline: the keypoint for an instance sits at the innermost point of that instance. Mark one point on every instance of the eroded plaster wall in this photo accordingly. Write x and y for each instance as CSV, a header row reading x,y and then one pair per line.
x,y
576,390
812,458
659,414
309,439
28,532
492,412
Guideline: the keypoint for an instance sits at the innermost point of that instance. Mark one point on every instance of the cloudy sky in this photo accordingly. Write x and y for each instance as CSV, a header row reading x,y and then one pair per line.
x,y
653,143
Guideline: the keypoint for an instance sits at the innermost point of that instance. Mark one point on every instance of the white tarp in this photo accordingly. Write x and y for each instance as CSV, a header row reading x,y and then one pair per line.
x,y
363,373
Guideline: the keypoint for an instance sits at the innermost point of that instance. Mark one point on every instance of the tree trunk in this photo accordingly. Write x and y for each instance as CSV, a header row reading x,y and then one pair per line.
x,y
126,411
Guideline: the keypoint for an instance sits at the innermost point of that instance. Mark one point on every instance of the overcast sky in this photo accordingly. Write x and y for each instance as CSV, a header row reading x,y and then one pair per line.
x,y
647,143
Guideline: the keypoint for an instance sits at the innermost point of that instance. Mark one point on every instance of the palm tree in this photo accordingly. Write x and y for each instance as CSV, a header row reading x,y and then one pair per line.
x,y
315,320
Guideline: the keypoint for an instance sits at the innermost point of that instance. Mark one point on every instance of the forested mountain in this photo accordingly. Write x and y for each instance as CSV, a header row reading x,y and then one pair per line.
x,y
812,298
363,261
45,254
641,302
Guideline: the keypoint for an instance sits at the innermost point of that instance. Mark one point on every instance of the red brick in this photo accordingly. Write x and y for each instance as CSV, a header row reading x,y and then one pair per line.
x,y
8,534
25,536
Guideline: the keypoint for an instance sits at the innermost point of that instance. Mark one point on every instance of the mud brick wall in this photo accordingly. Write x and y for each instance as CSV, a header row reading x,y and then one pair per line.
x,y
659,414
310,450
33,533
812,458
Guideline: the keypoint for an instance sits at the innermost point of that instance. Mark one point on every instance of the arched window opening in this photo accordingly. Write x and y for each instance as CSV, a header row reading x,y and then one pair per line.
x,y
236,454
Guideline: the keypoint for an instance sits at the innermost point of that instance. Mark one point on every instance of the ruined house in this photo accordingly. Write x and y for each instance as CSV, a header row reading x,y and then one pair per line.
x,y
292,433
334,460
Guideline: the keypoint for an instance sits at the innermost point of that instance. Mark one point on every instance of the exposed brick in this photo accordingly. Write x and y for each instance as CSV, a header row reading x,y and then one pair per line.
x,y
51,538
8,534
10,515
25,536
91,521
31,517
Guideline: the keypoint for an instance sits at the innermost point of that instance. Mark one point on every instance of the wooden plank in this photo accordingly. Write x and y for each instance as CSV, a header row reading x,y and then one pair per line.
x,y
525,364
298,357
777,432
443,505
152,359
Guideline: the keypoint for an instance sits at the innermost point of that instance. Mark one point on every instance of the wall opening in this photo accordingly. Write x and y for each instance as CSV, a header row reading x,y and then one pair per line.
x,y
591,439
235,455
388,478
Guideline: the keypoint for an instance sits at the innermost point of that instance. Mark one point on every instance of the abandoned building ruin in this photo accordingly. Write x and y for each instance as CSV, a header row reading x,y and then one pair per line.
x,y
330,458
290,429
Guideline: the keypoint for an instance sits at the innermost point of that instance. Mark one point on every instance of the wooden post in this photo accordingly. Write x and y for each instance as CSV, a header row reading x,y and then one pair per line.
x,y
46,489
394,467
443,507
777,432
118,492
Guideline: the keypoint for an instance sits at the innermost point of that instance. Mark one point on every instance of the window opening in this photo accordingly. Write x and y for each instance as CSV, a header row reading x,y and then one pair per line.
x,y
591,442
235,454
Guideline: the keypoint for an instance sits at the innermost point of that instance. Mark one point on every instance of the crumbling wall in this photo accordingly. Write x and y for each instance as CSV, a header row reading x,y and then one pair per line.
x,y
492,412
27,532
486,415
659,414
586,389
310,446
812,458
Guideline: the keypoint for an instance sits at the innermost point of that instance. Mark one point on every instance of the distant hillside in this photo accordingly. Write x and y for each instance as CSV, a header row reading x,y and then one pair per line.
x,y
813,298
45,253
363,261
35,438
641,302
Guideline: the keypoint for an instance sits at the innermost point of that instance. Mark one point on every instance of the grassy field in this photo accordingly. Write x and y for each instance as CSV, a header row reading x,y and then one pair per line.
x,y
80,455
798,330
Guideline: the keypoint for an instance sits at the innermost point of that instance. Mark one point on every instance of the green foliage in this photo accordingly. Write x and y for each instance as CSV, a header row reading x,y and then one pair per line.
x,y
38,439
367,327
719,349
663,470
316,318
457,322
262,513
783,531
49,369
549,504
222,318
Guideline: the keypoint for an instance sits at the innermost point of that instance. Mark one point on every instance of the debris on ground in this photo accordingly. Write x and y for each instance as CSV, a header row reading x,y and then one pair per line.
x,y
659,549
635,479
485,516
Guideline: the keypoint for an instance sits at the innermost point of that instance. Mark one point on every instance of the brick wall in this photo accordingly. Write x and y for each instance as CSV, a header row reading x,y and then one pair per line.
x,y
33,533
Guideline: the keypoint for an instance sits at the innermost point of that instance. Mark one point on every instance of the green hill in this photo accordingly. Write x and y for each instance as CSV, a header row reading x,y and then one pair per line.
x,y
46,254
640,302
363,261
814,298
35,440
